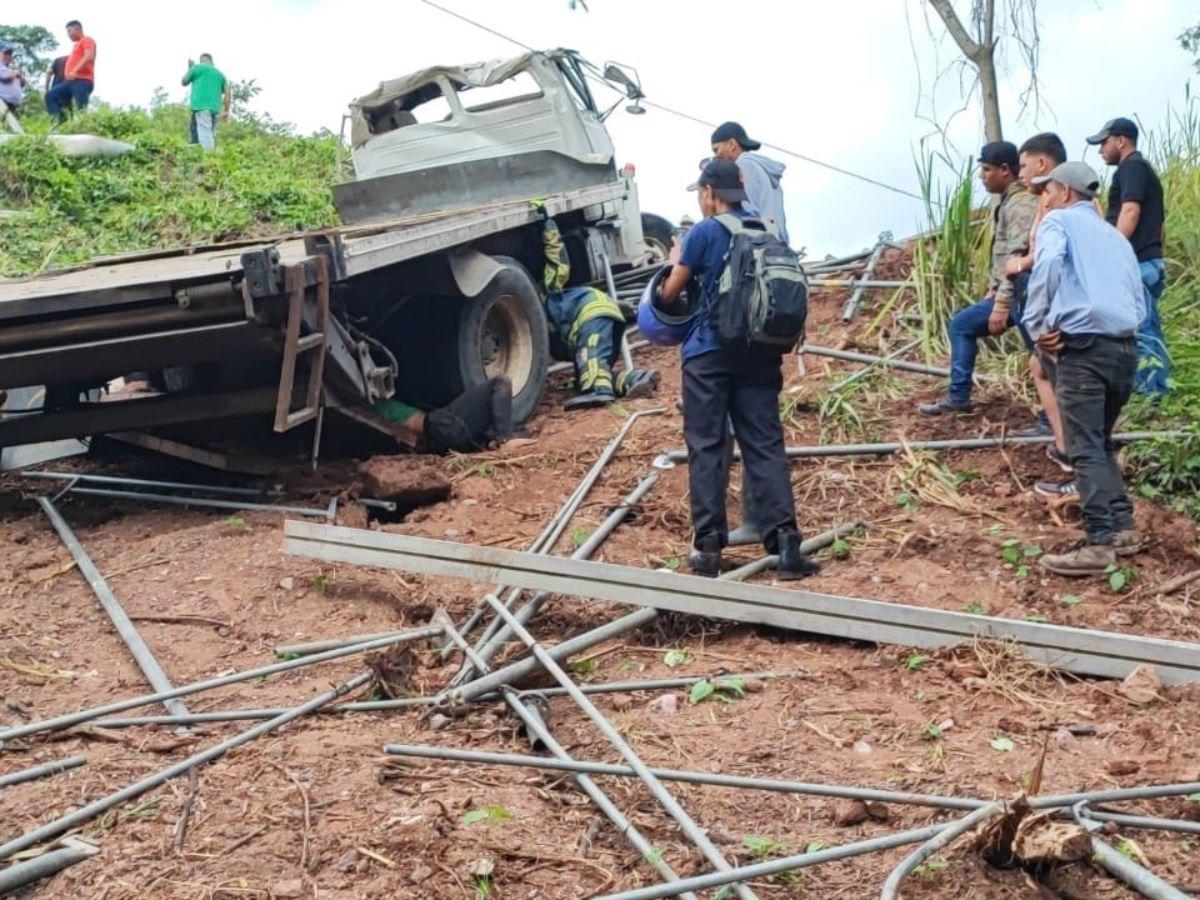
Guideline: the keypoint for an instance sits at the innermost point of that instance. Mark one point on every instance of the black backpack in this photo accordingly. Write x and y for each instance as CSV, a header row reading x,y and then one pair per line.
x,y
761,297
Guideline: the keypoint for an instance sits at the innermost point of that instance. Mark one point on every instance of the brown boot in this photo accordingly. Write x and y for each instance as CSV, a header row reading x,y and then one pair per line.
x,y
1127,542
1082,559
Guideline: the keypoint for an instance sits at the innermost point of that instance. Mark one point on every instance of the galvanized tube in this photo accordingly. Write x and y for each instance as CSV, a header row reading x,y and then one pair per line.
x,y
89,812
25,873
312,647
1141,880
57,723
35,772
774,785
113,609
852,356
1149,822
694,833
171,500
862,373
144,482
812,545
891,887
852,304
783,864
1116,795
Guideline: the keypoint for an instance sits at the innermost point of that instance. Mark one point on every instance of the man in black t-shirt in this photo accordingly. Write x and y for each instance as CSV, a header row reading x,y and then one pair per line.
x,y
1136,209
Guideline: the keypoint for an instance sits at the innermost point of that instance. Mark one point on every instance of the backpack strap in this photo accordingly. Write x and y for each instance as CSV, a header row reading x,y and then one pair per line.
x,y
737,224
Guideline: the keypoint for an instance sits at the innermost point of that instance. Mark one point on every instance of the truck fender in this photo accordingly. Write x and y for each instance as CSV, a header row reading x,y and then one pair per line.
x,y
473,271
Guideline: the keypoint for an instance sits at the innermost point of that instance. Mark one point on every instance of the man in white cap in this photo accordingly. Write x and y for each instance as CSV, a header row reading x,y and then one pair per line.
x,y
1085,304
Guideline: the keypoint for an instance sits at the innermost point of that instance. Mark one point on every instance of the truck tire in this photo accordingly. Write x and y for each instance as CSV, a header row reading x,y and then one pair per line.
x,y
658,234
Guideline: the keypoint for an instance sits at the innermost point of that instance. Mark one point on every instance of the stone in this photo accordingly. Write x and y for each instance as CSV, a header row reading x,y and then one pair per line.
x,y
1123,767
850,812
878,811
291,887
1142,685
666,705
347,861
622,702
288,583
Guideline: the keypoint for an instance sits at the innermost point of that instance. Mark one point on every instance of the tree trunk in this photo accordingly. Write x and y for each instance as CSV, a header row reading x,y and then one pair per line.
x,y
981,51
986,63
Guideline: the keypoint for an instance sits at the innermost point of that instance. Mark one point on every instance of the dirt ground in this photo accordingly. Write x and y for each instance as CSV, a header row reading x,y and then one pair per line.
x,y
316,809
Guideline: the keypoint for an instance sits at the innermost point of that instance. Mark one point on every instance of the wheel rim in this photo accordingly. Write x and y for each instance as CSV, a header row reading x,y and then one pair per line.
x,y
658,251
506,342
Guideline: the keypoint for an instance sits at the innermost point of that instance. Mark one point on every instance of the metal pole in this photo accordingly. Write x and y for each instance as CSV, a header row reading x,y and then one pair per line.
x,y
859,283
884,361
1141,880
852,304
783,864
774,785
626,356
112,607
694,833
1150,822
812,545
171,500
293,650
21,874
89,812
57,723
1116,795
853,356
891,887
50,768
142,482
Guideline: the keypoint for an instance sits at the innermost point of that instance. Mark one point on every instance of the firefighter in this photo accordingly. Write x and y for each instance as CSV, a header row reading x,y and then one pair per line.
x,y
586,327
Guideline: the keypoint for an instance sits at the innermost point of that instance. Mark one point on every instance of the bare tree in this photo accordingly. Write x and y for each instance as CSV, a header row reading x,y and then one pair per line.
x,y
980,37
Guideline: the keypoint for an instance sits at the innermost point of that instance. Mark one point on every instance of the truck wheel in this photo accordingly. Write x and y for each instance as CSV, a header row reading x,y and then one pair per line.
x,y
657,233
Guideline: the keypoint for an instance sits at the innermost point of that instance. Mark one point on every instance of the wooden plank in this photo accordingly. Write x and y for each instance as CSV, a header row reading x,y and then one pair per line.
x,y
1073,649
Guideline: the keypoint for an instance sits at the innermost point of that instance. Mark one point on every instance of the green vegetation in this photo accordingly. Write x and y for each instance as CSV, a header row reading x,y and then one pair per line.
x,y
261,179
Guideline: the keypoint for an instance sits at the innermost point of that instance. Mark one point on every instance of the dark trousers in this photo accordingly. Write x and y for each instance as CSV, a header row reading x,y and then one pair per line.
x,y
968,326
741,388
1093,379
473,420
61,97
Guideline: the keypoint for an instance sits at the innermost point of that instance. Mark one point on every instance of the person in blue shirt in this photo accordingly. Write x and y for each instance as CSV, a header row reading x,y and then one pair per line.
x,y
1085,304
722,384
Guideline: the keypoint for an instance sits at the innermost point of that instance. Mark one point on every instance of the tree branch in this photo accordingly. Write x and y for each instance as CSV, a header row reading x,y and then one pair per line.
x,y
989,21
954,25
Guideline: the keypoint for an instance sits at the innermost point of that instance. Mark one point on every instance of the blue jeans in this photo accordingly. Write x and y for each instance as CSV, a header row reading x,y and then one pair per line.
x,y
970,324
1154,363
61,97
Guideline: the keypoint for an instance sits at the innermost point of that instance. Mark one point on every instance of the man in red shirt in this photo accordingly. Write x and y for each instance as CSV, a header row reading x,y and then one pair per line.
x,y
79,75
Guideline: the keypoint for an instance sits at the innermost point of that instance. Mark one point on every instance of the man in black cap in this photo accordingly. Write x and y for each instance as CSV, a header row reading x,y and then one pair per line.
x,y
760,175
721,384
1135,207
1001,306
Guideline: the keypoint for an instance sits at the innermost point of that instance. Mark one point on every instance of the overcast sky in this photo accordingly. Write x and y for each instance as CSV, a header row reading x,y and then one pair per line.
x,y
839,81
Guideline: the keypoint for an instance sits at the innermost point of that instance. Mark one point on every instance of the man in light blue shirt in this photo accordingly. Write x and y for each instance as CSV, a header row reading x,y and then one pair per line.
x,y
1085,304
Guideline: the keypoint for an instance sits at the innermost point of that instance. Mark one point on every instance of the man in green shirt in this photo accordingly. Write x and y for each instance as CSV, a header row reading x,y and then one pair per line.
x,y
211,97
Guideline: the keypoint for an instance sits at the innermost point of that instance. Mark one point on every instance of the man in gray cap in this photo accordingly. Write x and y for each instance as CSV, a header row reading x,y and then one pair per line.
x,y
1136,209
1084,307
760,174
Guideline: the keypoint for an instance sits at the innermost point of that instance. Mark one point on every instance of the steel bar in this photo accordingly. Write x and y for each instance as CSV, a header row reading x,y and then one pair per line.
x,y
852,304
52,862
889,447
812,545
870,367
1116,795
693,832
611,286
57,723
1080,650
1153,823
853,356
1119,866
566,366
292,650
857,283
143,482
171,500
35,772
141,653
97,807
891,887
774,785
783,864
536,727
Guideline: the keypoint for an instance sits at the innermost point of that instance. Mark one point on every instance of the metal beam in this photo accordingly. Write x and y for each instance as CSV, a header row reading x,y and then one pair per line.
x,y
1073,649
50,768
852,304
853,356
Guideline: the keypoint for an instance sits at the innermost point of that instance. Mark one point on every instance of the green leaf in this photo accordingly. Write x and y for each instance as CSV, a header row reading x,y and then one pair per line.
x,y
583,666
1194,798
1002,745
1022,571
579,537
1010,555
491,813
814,846
914,662
841,548
759,846
933,731
734,684
675,658
975,608
1036,617
671,562
1117,580
1069,600
1031,551
701,690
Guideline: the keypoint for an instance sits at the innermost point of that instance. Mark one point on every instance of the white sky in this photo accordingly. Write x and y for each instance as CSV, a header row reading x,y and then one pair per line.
x,y
836,81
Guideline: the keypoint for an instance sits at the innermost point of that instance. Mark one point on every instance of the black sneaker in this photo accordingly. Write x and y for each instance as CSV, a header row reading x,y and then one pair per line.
x,y
589,400
1056,490
945,404
705,558
792,563
1060,459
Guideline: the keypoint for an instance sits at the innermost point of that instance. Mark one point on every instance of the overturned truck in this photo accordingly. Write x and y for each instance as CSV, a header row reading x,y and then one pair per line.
x,y
428,289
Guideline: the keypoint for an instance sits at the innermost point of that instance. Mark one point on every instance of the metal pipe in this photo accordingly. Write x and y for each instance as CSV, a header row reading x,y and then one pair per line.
x,y
883,449
852,304
146,497
694,833
25,873
1116,795
141,653
1116,864
57,723
774,785
35,772
812,545
857,283
89,812
293,650
611,284
863,372
852,356
143,482
891,887
1150,822
783,864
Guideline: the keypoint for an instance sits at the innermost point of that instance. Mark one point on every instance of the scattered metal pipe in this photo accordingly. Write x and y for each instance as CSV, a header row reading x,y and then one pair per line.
x,y
171,500
774,785
112,607
294,650
693,832
886,448
853,356
1115,795
857,283
98,807
75,849
1116,864
1150,822
891,887
852,304
35,772
893,356
812,545
143,482
57,723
